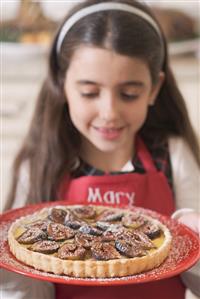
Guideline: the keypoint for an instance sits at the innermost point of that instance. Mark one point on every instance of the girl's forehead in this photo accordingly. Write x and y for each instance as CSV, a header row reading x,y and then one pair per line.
x,y
92,61
94,55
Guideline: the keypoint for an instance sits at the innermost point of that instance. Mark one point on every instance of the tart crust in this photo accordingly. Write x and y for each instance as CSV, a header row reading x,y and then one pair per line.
x,y
88,268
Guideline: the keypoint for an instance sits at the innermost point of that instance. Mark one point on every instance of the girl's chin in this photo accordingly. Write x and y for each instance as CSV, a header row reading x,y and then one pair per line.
x,y
96,145
106,146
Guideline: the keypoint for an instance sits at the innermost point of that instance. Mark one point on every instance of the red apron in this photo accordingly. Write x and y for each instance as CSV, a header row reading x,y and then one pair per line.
x,y
149,190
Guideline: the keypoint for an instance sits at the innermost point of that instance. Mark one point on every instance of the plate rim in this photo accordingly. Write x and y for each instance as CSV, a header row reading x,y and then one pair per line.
x,y
135,279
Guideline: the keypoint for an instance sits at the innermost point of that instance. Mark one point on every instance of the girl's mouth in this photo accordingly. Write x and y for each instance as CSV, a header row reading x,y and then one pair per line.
x,y
109,133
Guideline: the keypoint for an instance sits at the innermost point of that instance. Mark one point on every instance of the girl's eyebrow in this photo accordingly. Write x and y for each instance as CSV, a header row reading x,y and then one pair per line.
x,y
126,83
133,83
83,82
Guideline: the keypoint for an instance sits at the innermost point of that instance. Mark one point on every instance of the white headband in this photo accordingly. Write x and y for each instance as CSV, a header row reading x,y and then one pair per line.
x,y
102,7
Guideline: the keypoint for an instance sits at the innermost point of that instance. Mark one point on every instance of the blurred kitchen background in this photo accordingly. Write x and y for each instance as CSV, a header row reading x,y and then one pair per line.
x,y
27,28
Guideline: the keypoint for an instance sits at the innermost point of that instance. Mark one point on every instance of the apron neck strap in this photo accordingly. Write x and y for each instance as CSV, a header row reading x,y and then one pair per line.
x,y
144,155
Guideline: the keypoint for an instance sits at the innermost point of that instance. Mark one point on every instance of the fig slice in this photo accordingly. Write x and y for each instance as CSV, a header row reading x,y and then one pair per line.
x,y
74,224
85,240
57,215
137,239
41,224
59,232
109,216
88,229
32,235
104,251
129,249
103,225
142,239
108,236
45,246
133,220
71,251
84,212
152,230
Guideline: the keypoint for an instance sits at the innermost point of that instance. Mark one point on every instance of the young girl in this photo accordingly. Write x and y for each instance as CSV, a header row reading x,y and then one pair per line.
x,y
110,127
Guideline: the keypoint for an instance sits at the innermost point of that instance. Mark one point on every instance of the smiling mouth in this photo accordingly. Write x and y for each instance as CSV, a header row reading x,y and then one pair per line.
x,y
109,133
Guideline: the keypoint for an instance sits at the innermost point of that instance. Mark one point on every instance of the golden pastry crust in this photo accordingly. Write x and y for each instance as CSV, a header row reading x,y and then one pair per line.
x,y
91,264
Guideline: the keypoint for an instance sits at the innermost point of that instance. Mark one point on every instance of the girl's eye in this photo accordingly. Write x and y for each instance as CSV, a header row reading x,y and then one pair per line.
x,y
89,95
129,97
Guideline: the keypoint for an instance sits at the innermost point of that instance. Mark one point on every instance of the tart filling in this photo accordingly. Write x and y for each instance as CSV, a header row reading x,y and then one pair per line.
x,y
89,241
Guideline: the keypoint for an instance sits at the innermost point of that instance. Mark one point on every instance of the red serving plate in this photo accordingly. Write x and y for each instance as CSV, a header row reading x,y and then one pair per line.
x,y
185,252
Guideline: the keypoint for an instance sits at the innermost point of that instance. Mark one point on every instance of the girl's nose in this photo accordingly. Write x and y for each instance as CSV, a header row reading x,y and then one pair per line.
x,y
109,109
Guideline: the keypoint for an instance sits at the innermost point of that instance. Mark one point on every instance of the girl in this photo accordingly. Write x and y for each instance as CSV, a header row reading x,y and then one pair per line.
x,y
110,120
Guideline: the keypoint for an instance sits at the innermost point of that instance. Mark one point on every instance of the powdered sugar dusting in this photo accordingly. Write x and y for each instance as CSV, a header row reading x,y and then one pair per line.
x,y
183,254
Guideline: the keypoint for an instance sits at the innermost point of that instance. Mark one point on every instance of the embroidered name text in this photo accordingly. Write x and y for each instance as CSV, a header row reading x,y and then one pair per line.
x,y
95,195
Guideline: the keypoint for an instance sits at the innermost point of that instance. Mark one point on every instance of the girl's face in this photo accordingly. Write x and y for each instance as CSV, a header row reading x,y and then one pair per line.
x,y
108,97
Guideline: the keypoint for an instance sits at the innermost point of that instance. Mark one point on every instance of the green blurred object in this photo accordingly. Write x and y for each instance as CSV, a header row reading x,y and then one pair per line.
x,y
10,34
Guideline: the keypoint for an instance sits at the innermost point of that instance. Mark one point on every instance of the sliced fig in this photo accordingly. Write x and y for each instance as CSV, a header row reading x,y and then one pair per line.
x,y
102,225
45,246
88,229
69,216
127,235
41,224
85,240
116,228
110,215
85,212
59,232
31,236
74,224
137,238
152,230
71,251
133,220
57,215
108,236
142,240
129,249
104,251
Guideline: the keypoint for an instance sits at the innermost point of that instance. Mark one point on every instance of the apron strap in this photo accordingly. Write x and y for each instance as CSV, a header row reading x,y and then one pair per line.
x,y
144,155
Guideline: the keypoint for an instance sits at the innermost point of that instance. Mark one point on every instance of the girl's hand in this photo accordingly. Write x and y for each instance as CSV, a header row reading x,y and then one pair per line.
x,y
192,220
188,217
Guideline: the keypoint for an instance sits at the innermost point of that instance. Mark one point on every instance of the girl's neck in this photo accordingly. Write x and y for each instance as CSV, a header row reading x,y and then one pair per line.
x,y
107,161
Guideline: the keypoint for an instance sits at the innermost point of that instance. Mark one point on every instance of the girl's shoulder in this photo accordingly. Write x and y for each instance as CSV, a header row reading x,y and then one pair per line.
x,y
180,151
186,174
178,144
183,162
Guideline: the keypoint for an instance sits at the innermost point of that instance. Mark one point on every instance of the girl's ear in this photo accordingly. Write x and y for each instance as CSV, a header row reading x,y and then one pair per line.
x,y
156,88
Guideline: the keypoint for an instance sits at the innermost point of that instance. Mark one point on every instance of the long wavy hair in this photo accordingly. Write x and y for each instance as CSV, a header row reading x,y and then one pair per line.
x,y
52,143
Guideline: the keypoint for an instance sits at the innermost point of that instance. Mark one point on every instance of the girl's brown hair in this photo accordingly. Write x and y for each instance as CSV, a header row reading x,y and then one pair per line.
x,y
52,143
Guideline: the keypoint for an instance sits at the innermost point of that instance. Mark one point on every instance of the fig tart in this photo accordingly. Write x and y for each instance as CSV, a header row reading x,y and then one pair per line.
x,y
90,241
